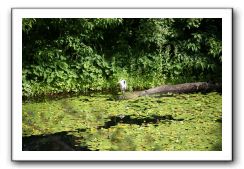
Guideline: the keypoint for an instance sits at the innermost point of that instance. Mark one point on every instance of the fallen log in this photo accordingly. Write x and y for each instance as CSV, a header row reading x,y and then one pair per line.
x,y
182,88
179,88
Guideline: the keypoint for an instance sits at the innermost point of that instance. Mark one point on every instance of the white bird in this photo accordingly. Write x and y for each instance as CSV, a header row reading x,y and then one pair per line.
x,y
123,86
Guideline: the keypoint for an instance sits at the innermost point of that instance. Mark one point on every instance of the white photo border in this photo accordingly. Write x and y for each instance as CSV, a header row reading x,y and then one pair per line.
x,y
227,147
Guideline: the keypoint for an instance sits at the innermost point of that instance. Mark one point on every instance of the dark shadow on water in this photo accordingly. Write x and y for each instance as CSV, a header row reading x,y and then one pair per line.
x,y
65,95
61,141
219,120
217,147
154,119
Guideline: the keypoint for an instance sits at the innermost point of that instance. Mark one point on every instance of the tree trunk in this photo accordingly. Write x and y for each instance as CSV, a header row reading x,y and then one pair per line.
x,y
182,88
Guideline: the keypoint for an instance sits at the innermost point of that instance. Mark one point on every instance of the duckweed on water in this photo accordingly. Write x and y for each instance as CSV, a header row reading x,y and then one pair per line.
x,y
160,123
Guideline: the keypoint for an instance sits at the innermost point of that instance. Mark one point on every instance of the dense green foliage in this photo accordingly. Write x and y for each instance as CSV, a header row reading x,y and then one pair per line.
x,y
80,55
177,122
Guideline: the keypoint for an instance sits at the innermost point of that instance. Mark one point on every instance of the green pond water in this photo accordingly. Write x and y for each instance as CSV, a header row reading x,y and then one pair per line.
x,y
187,122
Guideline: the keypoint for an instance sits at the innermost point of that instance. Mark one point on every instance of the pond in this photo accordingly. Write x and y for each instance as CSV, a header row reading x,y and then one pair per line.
x,y
99,122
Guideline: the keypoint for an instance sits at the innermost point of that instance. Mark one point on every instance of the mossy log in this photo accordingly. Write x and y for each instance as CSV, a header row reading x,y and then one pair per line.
x,y
182,88
179,88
